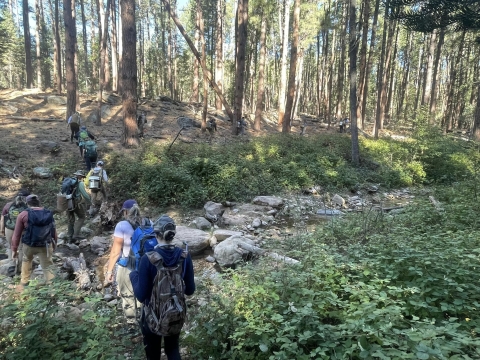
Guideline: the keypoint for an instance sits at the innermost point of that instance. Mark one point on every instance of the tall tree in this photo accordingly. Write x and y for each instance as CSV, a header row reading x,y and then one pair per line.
x,y
196,62
354,108
58,57
204,59
70,41
341,64
240,51
219,52
103,58
261,75
129,73
38,29
283,72
287,120
84,41
28,44
113,12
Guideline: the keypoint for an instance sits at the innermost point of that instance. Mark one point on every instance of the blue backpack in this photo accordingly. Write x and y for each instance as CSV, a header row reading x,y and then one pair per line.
x,y
143,241
69,186
40,228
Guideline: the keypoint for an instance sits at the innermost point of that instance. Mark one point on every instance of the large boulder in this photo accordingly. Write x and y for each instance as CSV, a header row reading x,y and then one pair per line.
x,y
213,208
338,200
57,100
222,234
99,244
227,252
234,220
202,223
42,173
197,240
272,201
49,147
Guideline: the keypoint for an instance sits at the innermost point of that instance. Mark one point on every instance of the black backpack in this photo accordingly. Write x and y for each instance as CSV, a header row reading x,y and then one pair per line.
x,y
40,228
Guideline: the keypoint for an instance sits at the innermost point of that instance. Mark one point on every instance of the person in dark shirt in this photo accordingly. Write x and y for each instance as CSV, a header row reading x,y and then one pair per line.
x,y
143,282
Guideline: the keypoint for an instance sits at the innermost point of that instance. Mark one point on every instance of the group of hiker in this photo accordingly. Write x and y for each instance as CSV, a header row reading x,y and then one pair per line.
x,y
152,276
85,140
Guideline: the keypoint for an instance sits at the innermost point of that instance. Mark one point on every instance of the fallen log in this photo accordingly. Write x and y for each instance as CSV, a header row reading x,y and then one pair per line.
x,y
29,118
78,267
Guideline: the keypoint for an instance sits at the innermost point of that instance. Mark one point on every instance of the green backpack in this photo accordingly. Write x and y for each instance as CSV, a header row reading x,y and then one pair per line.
x,y
13,211
90,149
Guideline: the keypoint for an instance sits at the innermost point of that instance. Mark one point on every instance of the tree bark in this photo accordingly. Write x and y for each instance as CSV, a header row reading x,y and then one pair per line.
x,y
196,64
452,83
129,73
427,88
261,76
70,41
403,91
219,53
204,65
283,71
103,53
113,14
354,109
28,45
433,96
341,65
476,123
287,120
241,47
38,28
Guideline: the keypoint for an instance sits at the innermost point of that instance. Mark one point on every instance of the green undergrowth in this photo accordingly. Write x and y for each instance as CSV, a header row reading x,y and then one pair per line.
x,y
45,322
370,286
191,174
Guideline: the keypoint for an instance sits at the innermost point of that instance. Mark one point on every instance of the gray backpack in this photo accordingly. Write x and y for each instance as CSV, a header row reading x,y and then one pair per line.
x,y
166,312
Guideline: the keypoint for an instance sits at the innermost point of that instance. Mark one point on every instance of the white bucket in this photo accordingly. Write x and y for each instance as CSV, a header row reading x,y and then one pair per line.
x,y
94,182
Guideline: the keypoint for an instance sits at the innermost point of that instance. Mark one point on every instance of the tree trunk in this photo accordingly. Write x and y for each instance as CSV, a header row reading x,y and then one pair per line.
x,y
418,81
354,109
261,76
381,79
403,91
391,74
341,65
298,84
476,123
433,96
70,41
113,12
129,73
363,55
452,84
219,52
204,65
103,53
427,88
287,120
369,62
283,71
92,41
37,40
84,40
241,46
28,45
196,64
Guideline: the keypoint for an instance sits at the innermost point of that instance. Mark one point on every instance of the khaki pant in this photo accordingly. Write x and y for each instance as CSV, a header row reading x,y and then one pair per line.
x,y
8,236
126,292
45,262
97,197
74,227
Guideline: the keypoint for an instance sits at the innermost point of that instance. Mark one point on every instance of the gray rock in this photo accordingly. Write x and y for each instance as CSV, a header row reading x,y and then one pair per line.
x,y
49,147
210,259
226,253
234,220
213,208
92,118
57,100
272,201
72,247
256,223
187,122
85,230
329,212
213,241
202,223
83,243
99,243
196,239
222,234
63,235
42,173
337,199
7,109
268,219
106,111
272,212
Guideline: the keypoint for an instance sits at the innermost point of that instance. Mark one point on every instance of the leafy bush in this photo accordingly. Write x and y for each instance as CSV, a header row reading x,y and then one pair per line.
x,y
371,286
44,323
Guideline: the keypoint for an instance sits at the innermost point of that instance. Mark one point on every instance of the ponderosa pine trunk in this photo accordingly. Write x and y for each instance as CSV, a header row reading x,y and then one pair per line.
x,y
476,123
84,41
363,56
70,41
287,120
403,91
433,96
129,73
28,45
38,28
341,65
427,88
241,47
196,64
261,76
113,14
204,65
219,52
354,109
102,81
283,69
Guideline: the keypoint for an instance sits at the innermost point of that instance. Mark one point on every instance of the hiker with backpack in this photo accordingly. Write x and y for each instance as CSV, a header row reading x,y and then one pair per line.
x,y
96,181
117,270
74,122
10,212
82,137
35,228
80,199
164,277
